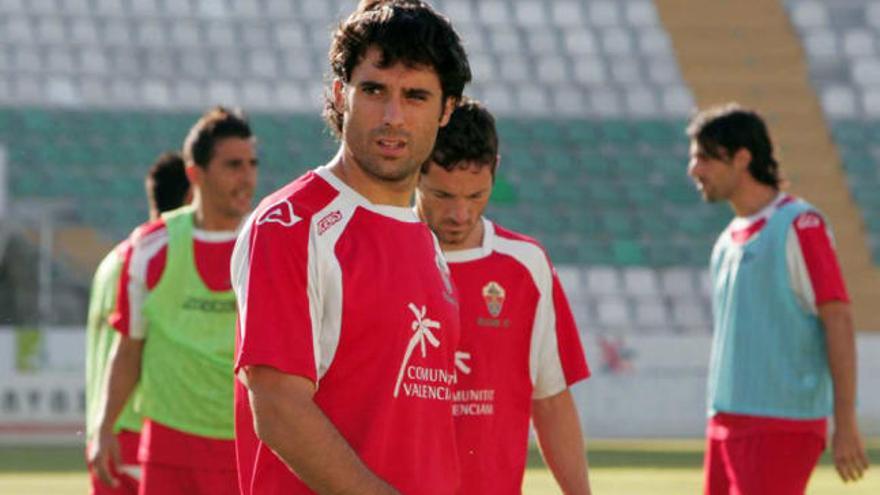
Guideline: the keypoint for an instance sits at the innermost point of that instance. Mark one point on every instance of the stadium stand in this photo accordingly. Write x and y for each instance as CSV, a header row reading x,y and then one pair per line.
x,y
590,99
841,43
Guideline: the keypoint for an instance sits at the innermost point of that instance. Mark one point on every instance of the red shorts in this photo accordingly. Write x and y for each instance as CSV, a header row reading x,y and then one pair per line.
x,y
748,455
128,484
175,462
161,479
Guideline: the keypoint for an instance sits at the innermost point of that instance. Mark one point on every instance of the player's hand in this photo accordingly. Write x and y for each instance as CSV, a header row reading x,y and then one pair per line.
x,y
104,457
850,459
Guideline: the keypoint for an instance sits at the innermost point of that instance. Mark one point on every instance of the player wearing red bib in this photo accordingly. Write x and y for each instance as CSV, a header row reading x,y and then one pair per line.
x,y
348,320
519,348
176,314
167,188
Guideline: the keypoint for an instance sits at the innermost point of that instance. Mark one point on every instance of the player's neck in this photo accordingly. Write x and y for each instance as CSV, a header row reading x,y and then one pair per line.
x,y
472,241
752,198
376,191
212,221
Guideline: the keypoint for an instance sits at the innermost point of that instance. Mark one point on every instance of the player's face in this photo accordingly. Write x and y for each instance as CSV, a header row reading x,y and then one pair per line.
x,y
391,117
715,178
451,203
227,183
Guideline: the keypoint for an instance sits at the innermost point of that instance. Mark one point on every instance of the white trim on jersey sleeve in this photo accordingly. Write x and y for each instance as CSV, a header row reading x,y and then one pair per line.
x,y
798,273
545,364
239,270
325,283
144,249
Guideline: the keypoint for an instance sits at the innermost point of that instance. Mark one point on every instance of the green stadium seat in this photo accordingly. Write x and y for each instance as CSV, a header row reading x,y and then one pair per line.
x,y
849,133
503,193
594,252
627,253
618,224
664,253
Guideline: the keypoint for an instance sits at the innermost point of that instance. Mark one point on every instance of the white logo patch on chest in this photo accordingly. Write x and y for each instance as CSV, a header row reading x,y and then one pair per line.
x,y
280,213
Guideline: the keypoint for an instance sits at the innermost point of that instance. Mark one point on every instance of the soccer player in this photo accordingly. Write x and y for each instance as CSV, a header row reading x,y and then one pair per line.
x,y
783,352
348,318
519,350
176,313
167,188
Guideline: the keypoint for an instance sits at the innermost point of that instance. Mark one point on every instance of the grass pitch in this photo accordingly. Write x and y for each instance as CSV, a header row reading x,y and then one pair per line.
x,y
649,467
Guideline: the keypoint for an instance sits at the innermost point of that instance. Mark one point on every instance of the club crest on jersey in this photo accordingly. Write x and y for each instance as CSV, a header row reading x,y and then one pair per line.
x,y
280,213
494,295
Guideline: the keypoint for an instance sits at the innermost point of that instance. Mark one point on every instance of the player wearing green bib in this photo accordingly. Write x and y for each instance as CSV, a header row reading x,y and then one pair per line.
x,y
176,312
167,188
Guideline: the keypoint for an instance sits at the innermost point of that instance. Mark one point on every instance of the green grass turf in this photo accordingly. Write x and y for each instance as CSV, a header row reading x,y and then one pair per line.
x,y
655,467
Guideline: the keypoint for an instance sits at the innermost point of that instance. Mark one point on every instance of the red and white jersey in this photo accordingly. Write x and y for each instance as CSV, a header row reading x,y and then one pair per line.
x,y
357,298
144,265
814,273
519,342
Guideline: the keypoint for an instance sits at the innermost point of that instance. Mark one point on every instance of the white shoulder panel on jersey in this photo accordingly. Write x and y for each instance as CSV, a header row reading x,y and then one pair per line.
x,y
545,365
144,249
325,279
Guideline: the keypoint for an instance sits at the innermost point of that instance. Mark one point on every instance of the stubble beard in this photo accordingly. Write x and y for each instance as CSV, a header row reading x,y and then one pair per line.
x,y
394,174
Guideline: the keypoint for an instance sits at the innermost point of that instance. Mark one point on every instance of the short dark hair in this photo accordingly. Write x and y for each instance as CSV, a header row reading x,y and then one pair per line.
x,y
723,130
166,182
216,124
470,138
406,31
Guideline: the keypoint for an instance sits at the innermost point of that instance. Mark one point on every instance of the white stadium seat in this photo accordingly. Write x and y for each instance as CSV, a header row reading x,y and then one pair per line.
x,y
840,101
530,13
809,14
603,13
613,312
603,280
641,13
640,281
567,14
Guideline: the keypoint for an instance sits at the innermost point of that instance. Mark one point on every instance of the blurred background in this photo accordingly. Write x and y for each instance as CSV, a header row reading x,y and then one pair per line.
x,y
592,97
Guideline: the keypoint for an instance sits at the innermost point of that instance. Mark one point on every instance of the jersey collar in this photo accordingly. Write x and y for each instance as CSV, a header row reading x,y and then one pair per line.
x,y
485,249
401,213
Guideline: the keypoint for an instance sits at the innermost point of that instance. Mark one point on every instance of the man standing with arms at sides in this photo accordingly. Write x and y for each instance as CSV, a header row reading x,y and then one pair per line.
x,y
783,352
167,188
176,313
348,319
519,348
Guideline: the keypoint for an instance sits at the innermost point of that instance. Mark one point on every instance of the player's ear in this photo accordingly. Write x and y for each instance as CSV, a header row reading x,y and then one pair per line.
x,y
742,158
193,174
449,104
338,95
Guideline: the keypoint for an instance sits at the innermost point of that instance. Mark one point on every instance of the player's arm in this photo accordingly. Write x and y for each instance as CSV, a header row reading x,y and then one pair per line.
x,y
818,283
561,441
847,447
287,420
123,375
124,365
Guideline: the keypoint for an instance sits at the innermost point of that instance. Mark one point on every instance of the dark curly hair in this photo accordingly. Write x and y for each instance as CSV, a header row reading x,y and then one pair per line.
x,y
722,130
406,31
216,124
469,139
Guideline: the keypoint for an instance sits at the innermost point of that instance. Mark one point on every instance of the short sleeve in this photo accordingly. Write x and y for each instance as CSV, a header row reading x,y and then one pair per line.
x,y
559,359
271,278
814,271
